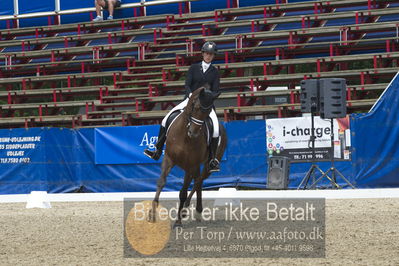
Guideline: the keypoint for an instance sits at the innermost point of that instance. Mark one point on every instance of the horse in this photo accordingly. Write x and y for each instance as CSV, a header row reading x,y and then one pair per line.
x,y
187,147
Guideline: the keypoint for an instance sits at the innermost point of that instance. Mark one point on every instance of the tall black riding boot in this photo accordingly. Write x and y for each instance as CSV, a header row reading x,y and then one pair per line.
x,y
214,162
158,146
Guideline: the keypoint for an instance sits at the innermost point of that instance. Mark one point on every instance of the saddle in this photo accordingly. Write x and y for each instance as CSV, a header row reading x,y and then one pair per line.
x,y
208,124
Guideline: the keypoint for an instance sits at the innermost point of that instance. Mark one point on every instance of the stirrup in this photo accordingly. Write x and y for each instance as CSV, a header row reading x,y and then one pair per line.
x,y
149,153
214,165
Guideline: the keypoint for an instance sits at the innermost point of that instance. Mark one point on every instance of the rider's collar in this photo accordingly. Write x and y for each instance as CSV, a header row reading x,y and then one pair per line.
x,y
205,66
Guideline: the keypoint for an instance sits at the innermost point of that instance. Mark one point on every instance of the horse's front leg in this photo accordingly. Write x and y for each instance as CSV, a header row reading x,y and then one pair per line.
x,y
200,180
197,185
183,197
167,165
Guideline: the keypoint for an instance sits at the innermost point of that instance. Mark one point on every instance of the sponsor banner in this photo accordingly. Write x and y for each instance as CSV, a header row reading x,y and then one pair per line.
x,y
291,137
124,145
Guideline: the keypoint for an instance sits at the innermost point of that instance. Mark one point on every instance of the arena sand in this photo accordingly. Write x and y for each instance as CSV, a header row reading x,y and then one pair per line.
x,y
358,232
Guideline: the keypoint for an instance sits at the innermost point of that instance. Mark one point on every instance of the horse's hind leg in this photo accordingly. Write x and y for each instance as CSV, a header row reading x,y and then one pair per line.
x,y
183,197
166,167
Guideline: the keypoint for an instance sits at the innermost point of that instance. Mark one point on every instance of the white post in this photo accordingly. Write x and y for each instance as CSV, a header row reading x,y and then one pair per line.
x,y
16,11
142,2
340,36
397,32
57,6
189,7
16,8
58,9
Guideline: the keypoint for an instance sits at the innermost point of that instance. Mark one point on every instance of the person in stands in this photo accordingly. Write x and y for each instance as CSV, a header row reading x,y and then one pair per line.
x,y
110,5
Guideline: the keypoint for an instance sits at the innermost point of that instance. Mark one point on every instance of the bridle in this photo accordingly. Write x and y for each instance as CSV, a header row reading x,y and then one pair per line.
x,y
194,120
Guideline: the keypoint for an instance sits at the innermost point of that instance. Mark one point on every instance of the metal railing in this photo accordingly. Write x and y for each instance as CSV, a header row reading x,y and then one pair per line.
x,y
58,12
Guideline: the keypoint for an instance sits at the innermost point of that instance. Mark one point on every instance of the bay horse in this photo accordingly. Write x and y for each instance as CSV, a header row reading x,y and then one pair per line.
x,y
187,147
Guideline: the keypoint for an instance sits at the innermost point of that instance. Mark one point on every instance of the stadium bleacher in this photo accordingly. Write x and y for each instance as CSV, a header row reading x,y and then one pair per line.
x,y
131,71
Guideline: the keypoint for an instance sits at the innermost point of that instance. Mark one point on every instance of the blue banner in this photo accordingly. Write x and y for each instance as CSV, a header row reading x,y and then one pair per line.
x,y
124,145
376,153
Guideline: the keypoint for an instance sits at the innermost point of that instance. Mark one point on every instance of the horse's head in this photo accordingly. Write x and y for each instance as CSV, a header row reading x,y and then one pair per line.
x,y
197,110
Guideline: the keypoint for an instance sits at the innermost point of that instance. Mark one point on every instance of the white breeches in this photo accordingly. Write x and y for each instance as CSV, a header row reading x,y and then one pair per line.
x,y
212,115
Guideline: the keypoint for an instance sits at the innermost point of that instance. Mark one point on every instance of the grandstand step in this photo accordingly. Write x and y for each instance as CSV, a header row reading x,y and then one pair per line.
x,y
123,97
178,38
96,126
84,90
74,51
298,19
116,105
117,91
159,46
30,121
185,24
156,99
46,105
87,26
300,33
151,67
297,49
136,82
50,91
72,66
100,120
58,77
104,113
290,7
80,38
185,31
153,61
143,75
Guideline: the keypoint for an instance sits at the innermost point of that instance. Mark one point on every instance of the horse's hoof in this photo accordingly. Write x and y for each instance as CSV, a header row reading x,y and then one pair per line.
x,y
198,216
177,225
184,213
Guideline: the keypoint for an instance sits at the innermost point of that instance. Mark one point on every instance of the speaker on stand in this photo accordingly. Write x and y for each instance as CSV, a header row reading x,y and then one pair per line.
x,y
332,105
310,94
327,97
332,98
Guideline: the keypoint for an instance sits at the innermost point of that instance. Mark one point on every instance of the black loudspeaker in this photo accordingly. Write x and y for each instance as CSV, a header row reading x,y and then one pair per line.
x,y
332,98
309,96
279,171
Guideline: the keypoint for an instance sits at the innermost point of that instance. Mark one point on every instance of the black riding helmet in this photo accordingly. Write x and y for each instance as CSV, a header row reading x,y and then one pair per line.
x,y
209,47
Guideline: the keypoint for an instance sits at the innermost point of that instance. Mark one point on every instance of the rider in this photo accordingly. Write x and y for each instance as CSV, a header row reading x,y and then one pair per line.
x,y
198,75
